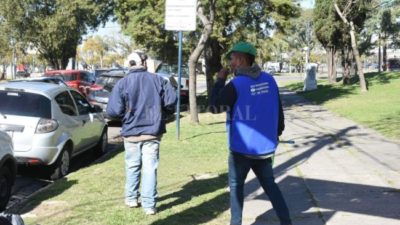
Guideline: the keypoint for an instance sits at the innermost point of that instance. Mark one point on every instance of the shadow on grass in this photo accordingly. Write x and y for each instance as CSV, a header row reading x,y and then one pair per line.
x,y
322,94
204,134
380,78
202,213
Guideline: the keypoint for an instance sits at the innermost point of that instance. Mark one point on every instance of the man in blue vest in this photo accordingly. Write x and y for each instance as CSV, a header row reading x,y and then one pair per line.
x,y
254,122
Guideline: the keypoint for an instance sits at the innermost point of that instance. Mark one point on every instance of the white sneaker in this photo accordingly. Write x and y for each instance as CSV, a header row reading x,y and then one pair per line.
x,y
132,204
151,211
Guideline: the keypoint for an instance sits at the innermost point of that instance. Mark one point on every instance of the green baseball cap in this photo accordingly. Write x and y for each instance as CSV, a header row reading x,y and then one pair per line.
x,y
243,47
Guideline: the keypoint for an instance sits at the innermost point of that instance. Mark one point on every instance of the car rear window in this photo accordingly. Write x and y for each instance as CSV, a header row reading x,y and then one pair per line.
x,y
63,76
107,80
173,70
24,104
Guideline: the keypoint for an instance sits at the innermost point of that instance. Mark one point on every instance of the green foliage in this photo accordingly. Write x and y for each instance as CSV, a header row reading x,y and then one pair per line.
x,y
144,22
98,51
327,24
54,28
234,20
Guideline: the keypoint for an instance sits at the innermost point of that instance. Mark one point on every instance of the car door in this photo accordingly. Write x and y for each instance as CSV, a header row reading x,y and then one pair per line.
x,y
91,121
71,120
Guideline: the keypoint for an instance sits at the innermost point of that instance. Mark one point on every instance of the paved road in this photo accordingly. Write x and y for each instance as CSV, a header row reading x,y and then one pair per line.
x,y
29,181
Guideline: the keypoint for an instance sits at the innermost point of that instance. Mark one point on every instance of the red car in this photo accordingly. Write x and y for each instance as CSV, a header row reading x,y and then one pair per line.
x,y
79,79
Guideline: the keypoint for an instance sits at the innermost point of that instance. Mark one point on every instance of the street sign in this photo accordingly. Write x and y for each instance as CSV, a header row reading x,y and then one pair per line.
x,y
180,15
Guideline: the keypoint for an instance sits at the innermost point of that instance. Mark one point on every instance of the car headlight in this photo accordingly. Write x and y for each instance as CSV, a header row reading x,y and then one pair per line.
x,y
46,126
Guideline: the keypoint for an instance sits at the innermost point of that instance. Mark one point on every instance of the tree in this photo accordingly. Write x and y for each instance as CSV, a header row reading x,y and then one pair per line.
x,y
94,50
387,30
300,35
328,32
54,28
5,52
353,11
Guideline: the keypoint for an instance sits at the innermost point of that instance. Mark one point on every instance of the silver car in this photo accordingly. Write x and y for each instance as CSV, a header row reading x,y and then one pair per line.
x,y
50,124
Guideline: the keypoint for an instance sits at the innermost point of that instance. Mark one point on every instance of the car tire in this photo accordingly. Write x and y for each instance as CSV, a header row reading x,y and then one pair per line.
x,y
6,182
101,147
61,167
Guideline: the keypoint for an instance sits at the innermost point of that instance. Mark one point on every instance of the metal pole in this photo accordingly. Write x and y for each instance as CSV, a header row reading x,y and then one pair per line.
x,y
178,103
14,62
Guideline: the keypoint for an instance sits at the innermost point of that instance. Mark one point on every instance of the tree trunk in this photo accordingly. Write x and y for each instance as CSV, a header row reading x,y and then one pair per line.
x,y
384,55
346,66
3,73
194,117
379,54
194,57
354,46
329,63
334,66
212,56
331,53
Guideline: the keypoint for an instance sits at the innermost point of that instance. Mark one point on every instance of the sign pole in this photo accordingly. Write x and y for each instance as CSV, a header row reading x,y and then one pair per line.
x,y
178,104
180,15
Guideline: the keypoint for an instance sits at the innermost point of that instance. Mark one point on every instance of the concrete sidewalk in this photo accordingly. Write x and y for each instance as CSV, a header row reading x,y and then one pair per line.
x,y
336,172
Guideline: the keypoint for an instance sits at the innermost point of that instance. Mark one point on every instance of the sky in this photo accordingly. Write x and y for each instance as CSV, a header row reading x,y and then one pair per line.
x,y
307,3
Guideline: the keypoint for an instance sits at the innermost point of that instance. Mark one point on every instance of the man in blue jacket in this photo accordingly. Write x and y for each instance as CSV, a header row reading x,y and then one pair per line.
x,y
139,99
254,123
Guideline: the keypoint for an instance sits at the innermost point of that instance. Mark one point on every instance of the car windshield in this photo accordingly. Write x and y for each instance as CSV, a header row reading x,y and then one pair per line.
x,y
172,70
108,82
63,76
24,104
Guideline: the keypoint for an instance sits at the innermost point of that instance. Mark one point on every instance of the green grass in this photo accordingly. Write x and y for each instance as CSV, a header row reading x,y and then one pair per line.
x,y
192,184
379,108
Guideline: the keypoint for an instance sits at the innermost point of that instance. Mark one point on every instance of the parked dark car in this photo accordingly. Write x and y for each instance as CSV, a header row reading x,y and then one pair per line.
x,y
98,72
22,74
99,92
393,64
171,72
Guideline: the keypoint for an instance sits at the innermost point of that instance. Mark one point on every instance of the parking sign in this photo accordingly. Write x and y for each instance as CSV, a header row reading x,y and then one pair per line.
x,y
180,15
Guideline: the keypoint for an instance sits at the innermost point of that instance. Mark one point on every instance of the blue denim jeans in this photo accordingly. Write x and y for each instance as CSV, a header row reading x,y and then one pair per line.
x,y
141,162
239,167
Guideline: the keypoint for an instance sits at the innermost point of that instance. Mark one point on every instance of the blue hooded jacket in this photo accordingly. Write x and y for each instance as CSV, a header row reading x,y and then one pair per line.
x,y
139,99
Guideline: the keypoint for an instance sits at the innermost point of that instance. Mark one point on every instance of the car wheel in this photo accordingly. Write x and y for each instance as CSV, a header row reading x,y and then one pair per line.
x,y
5,187
61,166
101,147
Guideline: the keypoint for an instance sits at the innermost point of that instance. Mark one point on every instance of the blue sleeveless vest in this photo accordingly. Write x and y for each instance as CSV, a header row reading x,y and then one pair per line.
x,y
252,124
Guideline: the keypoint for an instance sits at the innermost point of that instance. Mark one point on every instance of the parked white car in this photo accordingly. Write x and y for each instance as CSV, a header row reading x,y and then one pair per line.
x,y
50,124
8,169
